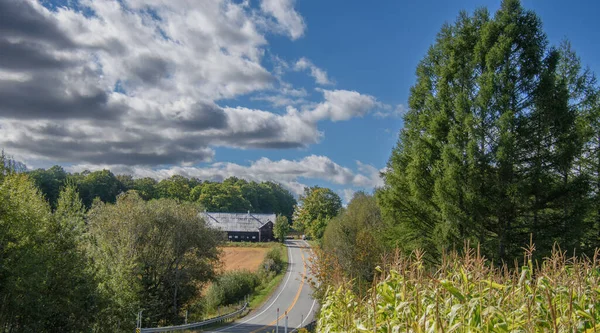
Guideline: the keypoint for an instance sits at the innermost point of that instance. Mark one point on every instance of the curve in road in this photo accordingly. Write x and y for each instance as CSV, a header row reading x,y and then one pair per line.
x,y
293,296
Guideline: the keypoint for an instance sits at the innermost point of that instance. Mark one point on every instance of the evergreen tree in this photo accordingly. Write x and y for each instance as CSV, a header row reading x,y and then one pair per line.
x,y
45,281
490,148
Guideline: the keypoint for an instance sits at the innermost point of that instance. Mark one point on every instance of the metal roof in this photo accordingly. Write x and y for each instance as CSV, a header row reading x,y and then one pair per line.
x,y
237,221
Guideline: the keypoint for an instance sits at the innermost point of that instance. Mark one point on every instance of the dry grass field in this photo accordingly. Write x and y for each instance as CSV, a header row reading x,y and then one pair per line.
x,y
238,258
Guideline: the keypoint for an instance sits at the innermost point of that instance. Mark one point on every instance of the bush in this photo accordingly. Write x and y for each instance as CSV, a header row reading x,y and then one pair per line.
x,y
230,288
273,262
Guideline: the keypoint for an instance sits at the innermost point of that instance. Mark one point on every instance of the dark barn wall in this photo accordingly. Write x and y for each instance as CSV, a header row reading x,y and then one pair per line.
x,y
266,232
240,236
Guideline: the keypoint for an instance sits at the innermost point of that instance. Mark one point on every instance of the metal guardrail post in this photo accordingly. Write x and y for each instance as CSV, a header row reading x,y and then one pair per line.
x,y
277,326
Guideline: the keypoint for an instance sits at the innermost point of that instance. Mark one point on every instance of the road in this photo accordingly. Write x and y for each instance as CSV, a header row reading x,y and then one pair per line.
x,y
293,295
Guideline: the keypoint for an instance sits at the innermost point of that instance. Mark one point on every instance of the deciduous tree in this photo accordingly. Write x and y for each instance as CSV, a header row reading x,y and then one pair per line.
x,y
317,206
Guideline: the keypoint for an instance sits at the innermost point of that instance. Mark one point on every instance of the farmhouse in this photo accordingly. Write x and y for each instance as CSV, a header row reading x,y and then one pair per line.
x,y
243,227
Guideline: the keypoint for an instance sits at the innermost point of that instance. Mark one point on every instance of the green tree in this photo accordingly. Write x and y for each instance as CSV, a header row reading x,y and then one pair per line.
x,y
45,280
126,182
195,193
281,227
176,187
152,255
317,206
50,182
353,237
145,187
490,145
223,197
98,184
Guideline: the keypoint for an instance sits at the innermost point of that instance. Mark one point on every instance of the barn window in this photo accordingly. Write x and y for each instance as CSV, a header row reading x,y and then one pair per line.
x,y
230,236
236,237
253,237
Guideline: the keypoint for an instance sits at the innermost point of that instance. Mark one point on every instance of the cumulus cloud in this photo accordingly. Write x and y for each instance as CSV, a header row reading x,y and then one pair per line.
x,y
288,20
290,173
317,73
342,105
139,82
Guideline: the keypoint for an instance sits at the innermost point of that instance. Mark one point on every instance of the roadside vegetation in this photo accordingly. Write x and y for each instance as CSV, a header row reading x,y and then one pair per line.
x,y
231,288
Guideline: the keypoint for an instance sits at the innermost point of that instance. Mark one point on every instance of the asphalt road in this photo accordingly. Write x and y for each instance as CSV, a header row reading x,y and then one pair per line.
x,y
293,295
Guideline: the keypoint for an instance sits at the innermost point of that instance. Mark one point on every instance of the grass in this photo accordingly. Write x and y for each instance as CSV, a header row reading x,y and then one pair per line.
x,y
468,294
264,292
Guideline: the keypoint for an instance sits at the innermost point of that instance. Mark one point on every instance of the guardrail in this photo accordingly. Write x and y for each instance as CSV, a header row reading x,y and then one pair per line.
x,y
199,324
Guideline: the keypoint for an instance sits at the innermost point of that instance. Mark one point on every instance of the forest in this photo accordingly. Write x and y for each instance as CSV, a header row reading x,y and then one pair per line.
x,y
230,195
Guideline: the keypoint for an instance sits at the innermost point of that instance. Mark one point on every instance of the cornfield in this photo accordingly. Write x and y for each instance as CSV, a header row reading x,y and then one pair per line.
x,y
468,294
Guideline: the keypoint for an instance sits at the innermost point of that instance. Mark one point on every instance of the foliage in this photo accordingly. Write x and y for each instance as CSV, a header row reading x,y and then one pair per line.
x,y
50,182
273,263
103,185
495,143
151,255
176,187
352,237
317,206
232,195
45,278
230,288
467,294
145,187
281,228
223,198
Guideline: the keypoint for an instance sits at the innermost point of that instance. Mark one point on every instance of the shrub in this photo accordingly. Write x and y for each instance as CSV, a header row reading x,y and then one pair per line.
x,y
273,261
231,287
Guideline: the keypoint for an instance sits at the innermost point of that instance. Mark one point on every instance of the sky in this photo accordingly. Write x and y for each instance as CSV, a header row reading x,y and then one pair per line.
x,y
304,92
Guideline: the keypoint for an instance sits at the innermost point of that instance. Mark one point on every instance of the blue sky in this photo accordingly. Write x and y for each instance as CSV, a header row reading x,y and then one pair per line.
x,y
300,92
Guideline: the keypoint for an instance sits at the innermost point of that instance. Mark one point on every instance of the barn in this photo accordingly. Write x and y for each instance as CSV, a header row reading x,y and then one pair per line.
x,y
242,227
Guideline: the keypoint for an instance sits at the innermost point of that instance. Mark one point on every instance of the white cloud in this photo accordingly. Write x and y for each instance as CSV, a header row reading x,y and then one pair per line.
x,y
289,173
342,105
286,16
317,73
139,82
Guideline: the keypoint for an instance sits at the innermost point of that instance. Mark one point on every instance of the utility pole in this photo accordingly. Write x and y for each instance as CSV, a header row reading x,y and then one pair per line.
x,y
286,322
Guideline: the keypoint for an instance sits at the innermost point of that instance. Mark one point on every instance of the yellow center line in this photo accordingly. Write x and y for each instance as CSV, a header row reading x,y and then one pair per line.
x,y
295,298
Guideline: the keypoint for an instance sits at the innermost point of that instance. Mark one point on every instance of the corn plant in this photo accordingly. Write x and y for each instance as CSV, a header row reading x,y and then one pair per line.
x,y
468,294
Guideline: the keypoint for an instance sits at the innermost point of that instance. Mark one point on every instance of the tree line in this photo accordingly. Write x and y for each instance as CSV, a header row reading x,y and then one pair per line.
x,y
72,269
231,195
